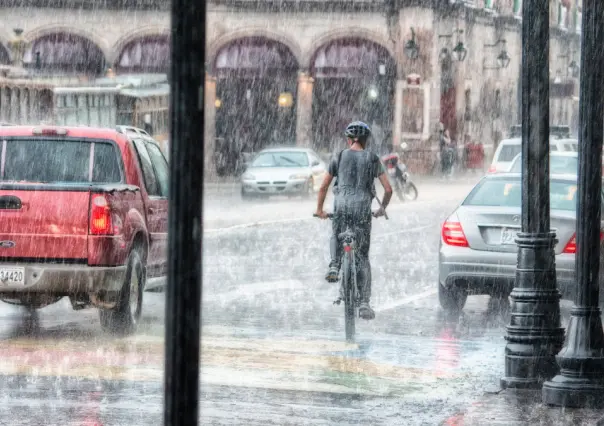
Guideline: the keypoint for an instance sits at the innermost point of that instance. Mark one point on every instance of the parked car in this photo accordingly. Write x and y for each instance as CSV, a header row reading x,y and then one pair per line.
x,y
508,149
283,171
566,162
478,252
83,214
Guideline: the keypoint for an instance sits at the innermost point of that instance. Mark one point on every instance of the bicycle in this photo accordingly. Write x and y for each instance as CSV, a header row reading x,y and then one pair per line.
x,y
349,288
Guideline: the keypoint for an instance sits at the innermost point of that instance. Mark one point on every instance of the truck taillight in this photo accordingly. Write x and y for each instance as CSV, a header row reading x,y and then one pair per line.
x,y
453,235
571,246
100,216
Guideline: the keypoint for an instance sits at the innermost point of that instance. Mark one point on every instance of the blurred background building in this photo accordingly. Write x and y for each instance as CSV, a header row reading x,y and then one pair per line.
x,y
289,72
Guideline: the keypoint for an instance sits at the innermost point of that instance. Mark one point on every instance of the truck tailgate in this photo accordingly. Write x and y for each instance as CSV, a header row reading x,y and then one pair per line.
x,y
39,224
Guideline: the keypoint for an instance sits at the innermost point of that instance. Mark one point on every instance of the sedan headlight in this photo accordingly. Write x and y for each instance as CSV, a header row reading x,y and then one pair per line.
x,y
248,176
299,176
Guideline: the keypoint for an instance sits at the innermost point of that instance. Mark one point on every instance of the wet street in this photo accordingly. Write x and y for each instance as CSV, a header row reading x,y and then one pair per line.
x,y
273,348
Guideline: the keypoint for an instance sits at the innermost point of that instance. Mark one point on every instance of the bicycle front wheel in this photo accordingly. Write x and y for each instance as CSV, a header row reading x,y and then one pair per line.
x,y
349,297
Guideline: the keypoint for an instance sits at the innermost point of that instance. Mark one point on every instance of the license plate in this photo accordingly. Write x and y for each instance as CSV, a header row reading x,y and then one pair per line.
x,y
508,236
12,276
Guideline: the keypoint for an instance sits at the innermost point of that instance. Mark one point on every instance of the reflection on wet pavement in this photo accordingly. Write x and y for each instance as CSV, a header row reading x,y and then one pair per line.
x,y
272,349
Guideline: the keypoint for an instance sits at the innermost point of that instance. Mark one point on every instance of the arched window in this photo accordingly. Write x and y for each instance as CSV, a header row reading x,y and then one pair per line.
x,y
4,56
65,53
254,57
145,54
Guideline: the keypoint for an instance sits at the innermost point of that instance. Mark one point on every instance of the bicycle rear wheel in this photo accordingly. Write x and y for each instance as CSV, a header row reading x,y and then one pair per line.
x,y
349,297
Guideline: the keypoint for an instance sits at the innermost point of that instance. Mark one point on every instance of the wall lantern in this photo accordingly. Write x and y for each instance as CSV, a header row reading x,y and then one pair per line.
x,y
572,68
459,51
286,100
217,103
503,59
411,47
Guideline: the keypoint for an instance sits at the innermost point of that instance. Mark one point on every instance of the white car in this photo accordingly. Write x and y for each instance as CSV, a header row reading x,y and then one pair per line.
x,y
283,171
508,149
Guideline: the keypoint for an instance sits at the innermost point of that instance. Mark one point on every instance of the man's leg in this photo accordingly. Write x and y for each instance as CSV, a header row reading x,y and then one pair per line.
x,y
364,267
335,249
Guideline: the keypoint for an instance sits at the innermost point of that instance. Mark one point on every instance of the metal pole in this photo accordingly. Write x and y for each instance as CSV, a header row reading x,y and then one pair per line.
x,y
183,299
581,379
534,334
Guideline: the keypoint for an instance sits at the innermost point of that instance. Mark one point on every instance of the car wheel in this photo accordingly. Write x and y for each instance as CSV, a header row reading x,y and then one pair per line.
x,y
124,317
452,299
309,189
245,196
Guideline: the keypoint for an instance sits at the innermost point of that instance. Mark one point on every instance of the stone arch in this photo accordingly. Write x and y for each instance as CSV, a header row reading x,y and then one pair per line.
x,y
215,46
349,33
99,41
130,36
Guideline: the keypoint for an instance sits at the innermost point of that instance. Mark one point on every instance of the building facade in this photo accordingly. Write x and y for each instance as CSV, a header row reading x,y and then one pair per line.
x,y
284,72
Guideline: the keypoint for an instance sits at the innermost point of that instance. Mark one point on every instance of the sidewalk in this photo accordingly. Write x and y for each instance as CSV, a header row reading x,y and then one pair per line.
x,y
524,407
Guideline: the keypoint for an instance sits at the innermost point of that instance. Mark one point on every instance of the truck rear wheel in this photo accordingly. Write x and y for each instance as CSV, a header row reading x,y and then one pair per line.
x,y
124,318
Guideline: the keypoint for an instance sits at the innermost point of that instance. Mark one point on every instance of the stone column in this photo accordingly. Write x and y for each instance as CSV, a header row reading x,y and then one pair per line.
x,y
304,110
398,113
14,105
210,126
4,105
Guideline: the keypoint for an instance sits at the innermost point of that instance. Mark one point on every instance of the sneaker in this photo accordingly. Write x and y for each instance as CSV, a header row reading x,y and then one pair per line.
x,y
366,312
332,275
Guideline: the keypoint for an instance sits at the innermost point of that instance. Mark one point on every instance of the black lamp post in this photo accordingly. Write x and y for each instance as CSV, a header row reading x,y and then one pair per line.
x,y
581,379
185,224
534,335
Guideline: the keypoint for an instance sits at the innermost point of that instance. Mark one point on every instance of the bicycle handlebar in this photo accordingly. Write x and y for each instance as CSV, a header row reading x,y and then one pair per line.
x,y
330,215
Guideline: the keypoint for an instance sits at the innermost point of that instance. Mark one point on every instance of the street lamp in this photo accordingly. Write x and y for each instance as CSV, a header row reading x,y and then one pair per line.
x,y
411,47
459,51
534,335
581,360
503,59
573,69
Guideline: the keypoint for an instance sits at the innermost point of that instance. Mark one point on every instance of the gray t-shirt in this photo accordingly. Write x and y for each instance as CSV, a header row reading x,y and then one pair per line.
x,y
355,176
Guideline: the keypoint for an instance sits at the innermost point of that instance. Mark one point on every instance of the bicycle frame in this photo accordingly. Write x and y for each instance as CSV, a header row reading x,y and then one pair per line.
x,y
348,284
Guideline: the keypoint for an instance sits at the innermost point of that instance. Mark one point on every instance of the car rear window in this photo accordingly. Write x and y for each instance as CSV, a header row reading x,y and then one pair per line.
x,y
51,161
508,152
557,165
281,159
507,193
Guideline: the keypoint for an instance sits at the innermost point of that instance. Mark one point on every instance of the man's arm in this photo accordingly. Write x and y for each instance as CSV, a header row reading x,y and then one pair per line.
x,y
322,195
387,190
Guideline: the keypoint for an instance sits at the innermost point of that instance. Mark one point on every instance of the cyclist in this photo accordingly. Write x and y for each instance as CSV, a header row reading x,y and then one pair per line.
x,y
355,169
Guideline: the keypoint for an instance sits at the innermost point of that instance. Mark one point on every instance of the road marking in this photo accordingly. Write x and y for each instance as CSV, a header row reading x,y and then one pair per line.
x,y
253,289
405,301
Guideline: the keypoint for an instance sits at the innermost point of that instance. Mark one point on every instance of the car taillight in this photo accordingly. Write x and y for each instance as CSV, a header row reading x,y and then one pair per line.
x,y
571,246
492,169
100,216
453,235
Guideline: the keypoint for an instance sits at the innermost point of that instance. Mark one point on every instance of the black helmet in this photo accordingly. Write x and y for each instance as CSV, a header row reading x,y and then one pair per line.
x,y
357,129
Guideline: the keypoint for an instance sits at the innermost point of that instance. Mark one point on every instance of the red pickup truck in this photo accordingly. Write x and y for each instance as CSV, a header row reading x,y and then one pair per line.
x,y
83,214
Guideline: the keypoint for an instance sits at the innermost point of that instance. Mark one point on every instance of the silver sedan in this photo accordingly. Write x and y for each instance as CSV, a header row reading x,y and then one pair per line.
x,y
478,253
283,171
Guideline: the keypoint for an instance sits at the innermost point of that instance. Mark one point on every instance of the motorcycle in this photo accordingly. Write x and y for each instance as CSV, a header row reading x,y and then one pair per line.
x,y
400,179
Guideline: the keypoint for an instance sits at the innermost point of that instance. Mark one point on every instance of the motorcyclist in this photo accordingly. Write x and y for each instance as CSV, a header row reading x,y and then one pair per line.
x,y
355,169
